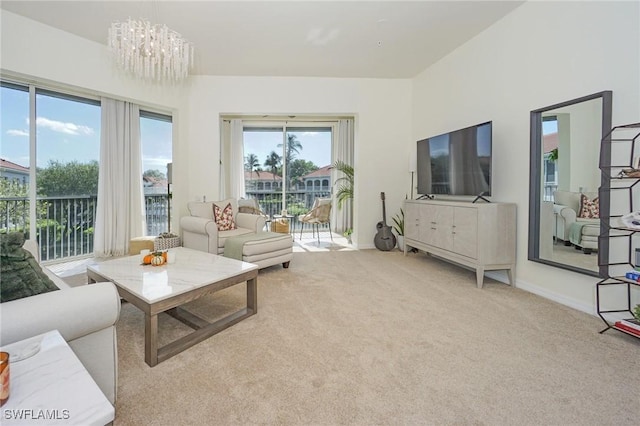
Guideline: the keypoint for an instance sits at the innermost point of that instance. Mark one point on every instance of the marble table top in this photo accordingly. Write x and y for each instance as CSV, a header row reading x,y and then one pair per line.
x,y
191,269
50,386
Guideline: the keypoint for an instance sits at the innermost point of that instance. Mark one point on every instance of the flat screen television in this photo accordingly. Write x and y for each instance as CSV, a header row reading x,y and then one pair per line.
x,y
456,163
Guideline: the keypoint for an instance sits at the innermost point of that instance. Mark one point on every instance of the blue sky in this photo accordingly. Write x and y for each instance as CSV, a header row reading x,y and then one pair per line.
x,y
550,126
316,146
69,131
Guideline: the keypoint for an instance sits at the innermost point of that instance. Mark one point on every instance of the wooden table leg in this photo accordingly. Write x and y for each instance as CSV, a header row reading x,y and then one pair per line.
x,y
252,294
151,339
479,276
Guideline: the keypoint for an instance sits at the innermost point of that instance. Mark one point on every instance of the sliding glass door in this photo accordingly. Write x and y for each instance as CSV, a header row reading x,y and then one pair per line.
x,y
263,167
308,162
67,165
49,174
156,138
287,166
15,159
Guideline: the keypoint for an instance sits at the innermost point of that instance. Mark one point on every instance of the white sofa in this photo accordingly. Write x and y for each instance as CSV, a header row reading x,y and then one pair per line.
x,y
85,316
566,208
200,232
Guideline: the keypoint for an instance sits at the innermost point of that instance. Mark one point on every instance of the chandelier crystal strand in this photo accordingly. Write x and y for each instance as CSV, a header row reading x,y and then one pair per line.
x,y
151,52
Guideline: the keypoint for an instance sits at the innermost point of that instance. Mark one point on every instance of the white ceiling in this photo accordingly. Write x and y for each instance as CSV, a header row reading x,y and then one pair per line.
x,y
384,39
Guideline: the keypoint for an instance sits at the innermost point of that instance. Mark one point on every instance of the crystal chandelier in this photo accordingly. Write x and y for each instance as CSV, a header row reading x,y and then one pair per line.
x,y
152,52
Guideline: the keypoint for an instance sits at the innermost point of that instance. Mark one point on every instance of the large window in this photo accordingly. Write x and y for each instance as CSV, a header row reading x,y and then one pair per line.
x,y
156,140
14,158
287,167
67,159
550,157
60,209
49,167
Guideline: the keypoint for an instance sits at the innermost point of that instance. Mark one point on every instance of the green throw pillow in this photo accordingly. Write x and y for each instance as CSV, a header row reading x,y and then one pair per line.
x,y
20,274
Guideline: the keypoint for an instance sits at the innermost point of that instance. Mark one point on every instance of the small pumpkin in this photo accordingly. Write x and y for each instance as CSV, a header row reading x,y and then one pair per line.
x,y
157,260
147,259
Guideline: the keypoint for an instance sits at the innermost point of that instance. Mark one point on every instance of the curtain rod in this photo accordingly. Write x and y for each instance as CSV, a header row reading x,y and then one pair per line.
x,y
328,118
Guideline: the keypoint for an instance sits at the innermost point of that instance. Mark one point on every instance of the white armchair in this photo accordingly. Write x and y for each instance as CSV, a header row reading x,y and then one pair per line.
x,y
566,209
85,316
200,231
564,217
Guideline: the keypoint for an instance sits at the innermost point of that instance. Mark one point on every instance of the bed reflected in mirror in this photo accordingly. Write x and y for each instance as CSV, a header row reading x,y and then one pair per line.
x,y
565,177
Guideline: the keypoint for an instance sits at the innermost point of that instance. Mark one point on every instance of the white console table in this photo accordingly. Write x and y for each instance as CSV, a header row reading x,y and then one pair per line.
x,y
52,387
477,235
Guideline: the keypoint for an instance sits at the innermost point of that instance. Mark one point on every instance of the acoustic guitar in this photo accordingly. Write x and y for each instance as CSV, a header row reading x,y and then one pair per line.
x,y
384,239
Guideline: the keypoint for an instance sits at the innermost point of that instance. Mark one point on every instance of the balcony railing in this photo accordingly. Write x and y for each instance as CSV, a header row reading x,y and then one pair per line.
x,y
548,189
298,202
65,225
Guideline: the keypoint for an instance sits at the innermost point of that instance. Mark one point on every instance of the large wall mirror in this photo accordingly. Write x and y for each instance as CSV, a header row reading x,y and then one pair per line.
x,y
565,175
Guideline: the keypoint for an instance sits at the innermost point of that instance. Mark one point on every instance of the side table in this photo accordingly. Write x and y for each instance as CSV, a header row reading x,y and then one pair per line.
x,y
290,219
52,387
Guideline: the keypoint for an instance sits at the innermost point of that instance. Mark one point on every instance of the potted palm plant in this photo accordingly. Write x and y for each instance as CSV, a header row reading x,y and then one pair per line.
x,y
398,226
344,192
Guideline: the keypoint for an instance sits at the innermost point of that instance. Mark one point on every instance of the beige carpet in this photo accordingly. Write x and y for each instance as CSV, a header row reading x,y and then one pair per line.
x,y
370,337
570,256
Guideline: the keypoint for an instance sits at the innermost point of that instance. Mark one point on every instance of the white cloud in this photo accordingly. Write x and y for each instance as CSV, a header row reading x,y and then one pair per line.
x,y
159,163
16,132
62,127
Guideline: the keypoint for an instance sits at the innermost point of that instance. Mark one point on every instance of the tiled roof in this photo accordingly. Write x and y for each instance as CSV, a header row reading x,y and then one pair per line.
x,y
321,172
549,142
6,164
261,176
150,181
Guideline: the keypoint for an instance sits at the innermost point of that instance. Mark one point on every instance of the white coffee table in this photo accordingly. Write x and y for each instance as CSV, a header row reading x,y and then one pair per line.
x,y
156,289
52,387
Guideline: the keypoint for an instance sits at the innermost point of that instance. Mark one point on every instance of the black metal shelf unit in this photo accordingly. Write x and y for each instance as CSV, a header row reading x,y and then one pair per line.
x,y
620,168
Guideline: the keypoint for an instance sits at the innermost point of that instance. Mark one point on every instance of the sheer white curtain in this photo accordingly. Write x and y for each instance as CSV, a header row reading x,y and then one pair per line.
x,y
236,165
225,143
120,212
232,154
342,150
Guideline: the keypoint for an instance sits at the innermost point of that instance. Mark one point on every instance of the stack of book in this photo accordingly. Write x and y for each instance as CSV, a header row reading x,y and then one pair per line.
x,y
631,326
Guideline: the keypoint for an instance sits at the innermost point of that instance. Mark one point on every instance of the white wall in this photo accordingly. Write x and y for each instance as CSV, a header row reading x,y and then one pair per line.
x,y
541,54
382,110
50,55
382,131
579,134
585,134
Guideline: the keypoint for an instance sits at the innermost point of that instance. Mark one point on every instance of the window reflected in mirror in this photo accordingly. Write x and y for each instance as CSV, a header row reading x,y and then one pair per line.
x,y
565,144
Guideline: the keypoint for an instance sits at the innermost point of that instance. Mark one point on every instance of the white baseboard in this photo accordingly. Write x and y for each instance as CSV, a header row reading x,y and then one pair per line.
x,y
501,276
543,292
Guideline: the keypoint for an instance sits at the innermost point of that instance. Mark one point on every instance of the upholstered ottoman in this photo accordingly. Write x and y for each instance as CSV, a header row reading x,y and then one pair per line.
x,y
583,234
140,243
263,249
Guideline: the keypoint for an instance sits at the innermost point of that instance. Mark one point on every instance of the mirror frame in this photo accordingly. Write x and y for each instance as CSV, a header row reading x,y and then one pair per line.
x,y
535,176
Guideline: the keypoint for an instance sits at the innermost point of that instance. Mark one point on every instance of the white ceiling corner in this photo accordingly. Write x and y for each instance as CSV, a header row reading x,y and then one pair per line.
x,y
364,39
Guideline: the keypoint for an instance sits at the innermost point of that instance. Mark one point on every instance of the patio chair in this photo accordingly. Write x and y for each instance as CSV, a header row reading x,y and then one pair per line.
x,y
319,214
251,206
